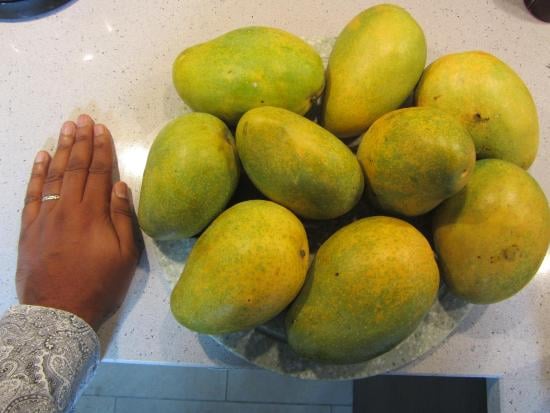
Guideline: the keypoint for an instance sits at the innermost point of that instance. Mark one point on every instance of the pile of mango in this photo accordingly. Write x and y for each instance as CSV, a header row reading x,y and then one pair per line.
x,y
458,155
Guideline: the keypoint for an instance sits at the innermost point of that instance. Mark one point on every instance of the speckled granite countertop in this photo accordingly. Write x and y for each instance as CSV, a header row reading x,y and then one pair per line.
x,y
113,60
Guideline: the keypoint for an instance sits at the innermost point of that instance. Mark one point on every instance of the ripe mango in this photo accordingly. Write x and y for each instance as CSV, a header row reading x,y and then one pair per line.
x,y
414,158
245,268
191,172
247,68
367,289
375,63
490,100
298,164
492,236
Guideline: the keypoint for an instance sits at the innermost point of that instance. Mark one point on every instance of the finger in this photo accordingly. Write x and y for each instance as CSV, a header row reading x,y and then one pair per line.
x,y
99,183
53,181
121,217
34,189
76,172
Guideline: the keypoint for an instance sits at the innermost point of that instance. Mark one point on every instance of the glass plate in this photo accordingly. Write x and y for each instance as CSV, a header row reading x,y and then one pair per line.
x,y
266,345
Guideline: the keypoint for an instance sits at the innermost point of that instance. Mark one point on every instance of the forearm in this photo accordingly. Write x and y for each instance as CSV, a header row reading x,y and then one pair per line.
x,y
46,358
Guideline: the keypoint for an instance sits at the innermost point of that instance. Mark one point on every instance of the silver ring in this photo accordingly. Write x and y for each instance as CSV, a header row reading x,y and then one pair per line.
x,y
51,197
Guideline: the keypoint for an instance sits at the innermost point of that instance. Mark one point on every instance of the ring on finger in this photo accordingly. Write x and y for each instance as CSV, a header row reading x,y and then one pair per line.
x,y
50,197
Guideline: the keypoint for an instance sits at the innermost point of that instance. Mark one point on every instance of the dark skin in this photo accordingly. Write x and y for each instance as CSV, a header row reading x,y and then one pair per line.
x,y
77,253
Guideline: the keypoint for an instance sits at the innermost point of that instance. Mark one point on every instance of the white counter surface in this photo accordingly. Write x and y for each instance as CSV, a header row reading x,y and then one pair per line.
x,y
112,59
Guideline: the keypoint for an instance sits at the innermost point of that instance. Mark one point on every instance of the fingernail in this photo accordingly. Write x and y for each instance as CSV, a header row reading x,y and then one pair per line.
x,y
40,157
68,128
99,130
83,120
121,190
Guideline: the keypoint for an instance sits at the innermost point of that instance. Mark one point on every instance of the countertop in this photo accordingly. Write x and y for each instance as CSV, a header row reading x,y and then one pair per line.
x,y
112,59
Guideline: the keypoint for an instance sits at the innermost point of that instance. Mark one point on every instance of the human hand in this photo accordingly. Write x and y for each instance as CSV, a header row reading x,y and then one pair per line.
x,y
77,253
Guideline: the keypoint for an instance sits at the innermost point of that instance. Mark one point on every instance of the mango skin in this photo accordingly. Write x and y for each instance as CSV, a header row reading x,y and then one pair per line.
x,y
493,235
247,68
298,164
368,288
375,64
245,269
191,172
415,158
490,100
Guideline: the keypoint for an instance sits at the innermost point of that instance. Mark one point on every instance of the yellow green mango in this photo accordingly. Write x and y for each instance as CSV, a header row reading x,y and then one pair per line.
x,y
247,68
245,268
375,63
297,163
369,286
415,158
490,100
191,172
492,236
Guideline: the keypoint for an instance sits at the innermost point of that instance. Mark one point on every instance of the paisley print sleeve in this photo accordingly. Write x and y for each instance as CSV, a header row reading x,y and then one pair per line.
x,y
47,356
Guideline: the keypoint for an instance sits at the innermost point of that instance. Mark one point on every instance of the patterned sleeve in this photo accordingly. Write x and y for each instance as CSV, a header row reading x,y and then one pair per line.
x,y
46,358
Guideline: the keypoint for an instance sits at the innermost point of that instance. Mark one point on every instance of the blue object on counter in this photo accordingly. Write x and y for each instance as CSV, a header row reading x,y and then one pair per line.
x,y
14,10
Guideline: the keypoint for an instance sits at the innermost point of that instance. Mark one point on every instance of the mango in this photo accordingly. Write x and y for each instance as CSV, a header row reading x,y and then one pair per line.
x,y
191,172
492,236
415,158
245,268
375,63
368,288
247,68
490,100
298,164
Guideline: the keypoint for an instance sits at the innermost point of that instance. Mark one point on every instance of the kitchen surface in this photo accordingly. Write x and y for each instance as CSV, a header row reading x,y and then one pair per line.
x,y
113,60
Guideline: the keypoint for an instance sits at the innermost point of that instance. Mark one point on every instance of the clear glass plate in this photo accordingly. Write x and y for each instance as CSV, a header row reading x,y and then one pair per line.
x,y
266,345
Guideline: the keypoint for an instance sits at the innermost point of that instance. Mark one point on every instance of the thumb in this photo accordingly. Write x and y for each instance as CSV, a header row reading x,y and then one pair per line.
x,y
121,216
